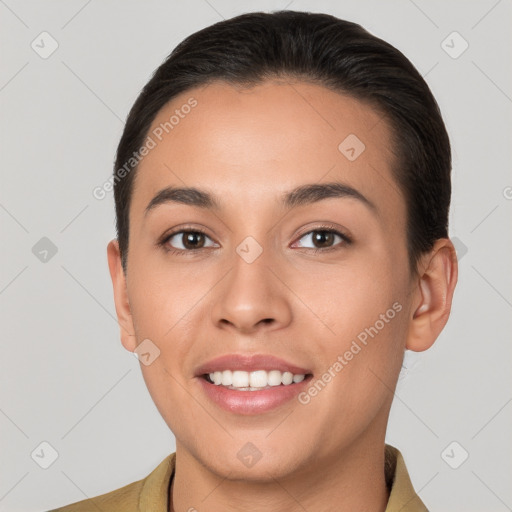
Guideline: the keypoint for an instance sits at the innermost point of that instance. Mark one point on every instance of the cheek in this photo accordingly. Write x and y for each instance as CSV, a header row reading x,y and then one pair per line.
x,y
350,298
162,308
359,368
164,298
360,355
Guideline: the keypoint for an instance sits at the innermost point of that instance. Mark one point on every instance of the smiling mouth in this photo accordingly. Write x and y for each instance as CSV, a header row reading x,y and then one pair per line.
x,y
258,380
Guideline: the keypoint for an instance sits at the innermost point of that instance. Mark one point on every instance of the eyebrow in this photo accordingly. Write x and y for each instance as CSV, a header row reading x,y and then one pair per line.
x,y
299,196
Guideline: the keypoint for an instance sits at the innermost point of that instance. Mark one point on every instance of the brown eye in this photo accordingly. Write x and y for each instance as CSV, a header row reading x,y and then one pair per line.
x,y
323,239
192,240
188,240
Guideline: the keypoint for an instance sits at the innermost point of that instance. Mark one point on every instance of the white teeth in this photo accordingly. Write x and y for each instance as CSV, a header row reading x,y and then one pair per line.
x,y
227,378
274,378
287,378
258,379
240,379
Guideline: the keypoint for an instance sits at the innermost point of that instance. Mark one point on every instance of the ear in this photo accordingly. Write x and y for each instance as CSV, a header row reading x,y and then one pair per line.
x,y
438,272
124,316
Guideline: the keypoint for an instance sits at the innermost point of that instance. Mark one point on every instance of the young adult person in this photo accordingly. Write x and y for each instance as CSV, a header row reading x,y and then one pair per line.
x,y
282,190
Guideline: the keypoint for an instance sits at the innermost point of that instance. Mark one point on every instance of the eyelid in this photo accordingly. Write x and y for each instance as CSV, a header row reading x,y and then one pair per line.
x,y
186,228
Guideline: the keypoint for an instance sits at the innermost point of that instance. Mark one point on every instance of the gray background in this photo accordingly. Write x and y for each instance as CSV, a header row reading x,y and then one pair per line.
x,y
65,378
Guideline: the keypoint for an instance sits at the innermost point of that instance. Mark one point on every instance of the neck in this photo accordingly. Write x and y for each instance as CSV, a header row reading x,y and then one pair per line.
x,y
353,480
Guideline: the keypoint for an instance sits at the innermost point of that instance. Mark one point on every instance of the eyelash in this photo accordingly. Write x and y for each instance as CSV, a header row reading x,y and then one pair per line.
x,y
324,228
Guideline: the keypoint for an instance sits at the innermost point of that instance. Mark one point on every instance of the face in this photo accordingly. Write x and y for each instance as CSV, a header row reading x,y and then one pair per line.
x,y
263,275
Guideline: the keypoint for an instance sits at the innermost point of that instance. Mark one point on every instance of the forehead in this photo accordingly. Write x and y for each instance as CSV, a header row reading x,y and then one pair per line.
x,y
253,144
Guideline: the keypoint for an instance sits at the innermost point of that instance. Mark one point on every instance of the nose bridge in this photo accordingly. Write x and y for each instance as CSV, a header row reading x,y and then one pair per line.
x,y
251,296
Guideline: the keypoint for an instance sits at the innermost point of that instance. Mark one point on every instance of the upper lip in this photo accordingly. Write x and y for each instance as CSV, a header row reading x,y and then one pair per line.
x,y
249,363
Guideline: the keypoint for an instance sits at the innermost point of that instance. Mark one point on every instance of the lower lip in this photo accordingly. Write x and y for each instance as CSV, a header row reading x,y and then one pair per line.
x,y
252,402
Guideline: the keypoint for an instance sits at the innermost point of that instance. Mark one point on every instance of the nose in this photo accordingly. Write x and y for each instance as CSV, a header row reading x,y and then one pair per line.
x,y
252,297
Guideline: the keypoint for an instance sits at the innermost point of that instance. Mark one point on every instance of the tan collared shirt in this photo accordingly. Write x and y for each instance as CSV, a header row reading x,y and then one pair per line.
x,y
151,494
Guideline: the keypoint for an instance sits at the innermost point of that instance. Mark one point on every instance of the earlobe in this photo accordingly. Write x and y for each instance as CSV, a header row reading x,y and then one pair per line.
x,y
124,316
435,288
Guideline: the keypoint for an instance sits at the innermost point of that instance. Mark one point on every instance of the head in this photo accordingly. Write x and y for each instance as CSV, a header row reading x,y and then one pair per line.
x,y
311,224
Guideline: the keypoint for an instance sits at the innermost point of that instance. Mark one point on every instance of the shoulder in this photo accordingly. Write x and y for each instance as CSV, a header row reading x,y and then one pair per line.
x,y
125,499
149,493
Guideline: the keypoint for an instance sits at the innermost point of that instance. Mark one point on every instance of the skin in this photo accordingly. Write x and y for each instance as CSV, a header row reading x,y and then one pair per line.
x,y
248,146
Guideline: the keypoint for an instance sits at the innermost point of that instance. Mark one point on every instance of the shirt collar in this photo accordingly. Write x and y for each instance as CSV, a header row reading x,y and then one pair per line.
x,y
402,497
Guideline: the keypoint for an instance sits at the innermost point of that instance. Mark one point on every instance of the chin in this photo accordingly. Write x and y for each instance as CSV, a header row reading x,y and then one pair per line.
x,y
252,464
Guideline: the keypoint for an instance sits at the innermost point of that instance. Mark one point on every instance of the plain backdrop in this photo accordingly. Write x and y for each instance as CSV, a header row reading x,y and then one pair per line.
x,y
65,378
